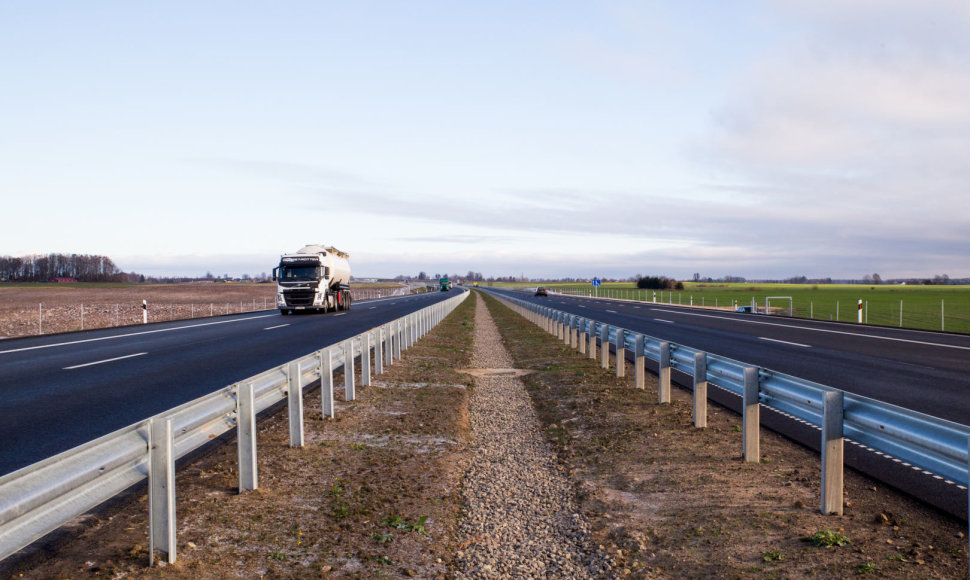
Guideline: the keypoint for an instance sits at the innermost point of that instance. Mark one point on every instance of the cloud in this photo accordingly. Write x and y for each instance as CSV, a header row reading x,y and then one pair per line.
x,y
854,137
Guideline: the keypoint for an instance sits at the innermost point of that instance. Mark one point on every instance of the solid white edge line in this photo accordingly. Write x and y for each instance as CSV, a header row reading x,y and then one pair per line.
x,y
275,327
90,364
784,342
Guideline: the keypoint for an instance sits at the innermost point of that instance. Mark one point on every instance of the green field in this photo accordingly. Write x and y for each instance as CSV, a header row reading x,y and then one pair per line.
x,y
924,307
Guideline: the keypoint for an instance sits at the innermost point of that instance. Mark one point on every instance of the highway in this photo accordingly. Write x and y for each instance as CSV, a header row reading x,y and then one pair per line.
x,y
923,371
59,391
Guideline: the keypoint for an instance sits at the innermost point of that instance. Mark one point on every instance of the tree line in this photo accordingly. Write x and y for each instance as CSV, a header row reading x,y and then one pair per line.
x,y
42,268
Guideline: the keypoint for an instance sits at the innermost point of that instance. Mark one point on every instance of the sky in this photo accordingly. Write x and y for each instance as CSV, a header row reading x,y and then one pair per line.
x,y
767,140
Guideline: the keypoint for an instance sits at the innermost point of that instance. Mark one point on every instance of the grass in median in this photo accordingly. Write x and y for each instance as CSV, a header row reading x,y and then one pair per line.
x,y
671,501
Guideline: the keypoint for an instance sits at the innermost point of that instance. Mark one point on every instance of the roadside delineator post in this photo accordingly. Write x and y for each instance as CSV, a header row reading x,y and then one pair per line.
x,y
751,417
700,390
144,311
833,414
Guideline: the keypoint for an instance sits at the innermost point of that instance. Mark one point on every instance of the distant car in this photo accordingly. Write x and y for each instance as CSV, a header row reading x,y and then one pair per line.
x,y
747,309
540,291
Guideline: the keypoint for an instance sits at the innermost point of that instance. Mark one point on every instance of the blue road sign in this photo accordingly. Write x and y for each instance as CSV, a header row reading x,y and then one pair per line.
x,y
596,282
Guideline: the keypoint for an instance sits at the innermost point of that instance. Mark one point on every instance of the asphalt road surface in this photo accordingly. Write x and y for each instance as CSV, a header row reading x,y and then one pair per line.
x,y
924,371
59,391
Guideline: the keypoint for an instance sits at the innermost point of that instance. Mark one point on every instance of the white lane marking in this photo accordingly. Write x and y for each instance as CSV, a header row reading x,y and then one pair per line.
x,y
664,321
581,306
134,334
341,314
90,364
275,327
810,329
612,311
784,342
372,307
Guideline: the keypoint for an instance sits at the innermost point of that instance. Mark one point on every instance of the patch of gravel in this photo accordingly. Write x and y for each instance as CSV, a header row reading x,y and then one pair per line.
x,y
520,516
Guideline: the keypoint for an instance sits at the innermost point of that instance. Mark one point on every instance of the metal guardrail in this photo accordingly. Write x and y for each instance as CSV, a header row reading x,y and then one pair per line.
x,y
935,446
40,498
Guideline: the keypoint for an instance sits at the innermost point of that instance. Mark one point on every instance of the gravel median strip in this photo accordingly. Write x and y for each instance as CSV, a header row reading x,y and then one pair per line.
x,y
520,518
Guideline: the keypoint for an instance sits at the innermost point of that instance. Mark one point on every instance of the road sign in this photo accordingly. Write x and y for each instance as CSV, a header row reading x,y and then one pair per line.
x,y
596,282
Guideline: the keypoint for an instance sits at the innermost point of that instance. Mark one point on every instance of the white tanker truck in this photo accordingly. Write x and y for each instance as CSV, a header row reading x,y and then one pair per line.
x,y
316,277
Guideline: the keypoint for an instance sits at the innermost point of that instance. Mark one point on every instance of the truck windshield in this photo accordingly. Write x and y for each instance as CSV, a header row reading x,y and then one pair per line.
x,y
293,273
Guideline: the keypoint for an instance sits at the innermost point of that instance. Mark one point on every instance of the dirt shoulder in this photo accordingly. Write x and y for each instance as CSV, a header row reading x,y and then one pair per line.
x,y
668,500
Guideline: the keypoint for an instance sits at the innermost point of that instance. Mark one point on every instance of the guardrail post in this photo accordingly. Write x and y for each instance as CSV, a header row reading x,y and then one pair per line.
x,y
365,359
398,335
326,383
592,340
349,393
700,390
639,362
664,373
560,325
605,346
581,335
246,436
161,490
620,352
379,350
832,452
294,396
751,417
388,345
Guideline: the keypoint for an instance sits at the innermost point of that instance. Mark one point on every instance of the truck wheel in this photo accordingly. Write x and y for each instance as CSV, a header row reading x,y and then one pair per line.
x,y
348,301
284,312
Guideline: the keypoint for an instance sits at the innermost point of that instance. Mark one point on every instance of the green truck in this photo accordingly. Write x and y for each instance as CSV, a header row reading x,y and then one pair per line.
x,y
444,284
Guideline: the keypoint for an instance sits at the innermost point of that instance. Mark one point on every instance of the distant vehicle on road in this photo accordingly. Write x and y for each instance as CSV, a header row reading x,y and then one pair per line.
x,y
748,309
445,284
540,291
